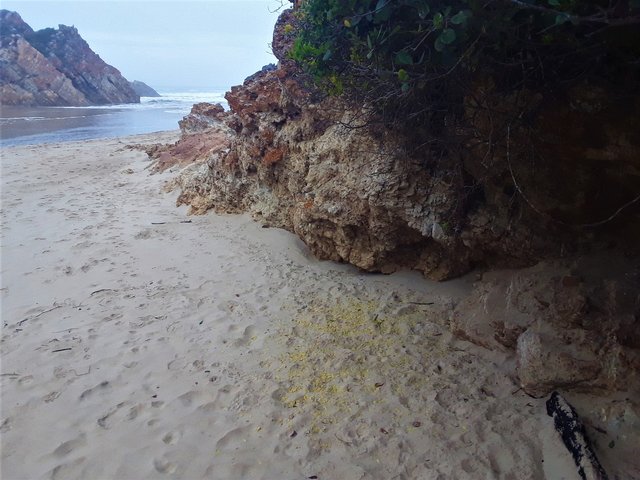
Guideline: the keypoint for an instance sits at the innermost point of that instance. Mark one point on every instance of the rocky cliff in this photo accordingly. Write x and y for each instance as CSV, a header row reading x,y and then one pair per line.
x,y
143,90
380,199
54,68
376,198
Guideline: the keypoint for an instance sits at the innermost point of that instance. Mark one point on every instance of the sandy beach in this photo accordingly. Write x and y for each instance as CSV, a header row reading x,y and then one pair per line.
x,y
139,342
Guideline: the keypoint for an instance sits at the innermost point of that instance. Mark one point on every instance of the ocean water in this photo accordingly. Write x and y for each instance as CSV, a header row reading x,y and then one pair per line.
x,y
36,125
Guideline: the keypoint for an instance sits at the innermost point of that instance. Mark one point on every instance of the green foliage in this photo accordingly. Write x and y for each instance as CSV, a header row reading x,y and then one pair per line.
x,y
401,54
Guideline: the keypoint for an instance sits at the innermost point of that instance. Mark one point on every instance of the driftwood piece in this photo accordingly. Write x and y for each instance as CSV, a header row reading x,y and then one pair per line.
x,y
574,436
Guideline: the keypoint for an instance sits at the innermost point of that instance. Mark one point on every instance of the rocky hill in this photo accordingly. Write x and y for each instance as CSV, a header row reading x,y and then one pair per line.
x,y
55,67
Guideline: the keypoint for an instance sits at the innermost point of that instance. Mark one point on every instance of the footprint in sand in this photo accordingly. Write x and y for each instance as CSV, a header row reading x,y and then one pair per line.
x,y
69,446
26,380
188,398
162,465
68,470
82,245
6,425
235,436
100,387
51,397
104,421
248,336
143,235
172,438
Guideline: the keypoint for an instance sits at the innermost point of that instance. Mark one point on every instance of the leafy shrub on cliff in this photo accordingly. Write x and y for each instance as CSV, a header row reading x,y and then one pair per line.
x,y
417,58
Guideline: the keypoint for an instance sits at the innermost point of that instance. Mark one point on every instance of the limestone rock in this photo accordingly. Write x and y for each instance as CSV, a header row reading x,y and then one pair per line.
x,y
202,117
194,148
368,196
546,362
267,68
573,324
505,303
383,200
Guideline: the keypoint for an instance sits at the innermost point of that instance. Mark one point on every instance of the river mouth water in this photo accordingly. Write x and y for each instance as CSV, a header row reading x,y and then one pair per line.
x,y
37,125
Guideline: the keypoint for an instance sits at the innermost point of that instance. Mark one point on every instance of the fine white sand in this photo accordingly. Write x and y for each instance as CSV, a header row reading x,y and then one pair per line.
x,y
139,346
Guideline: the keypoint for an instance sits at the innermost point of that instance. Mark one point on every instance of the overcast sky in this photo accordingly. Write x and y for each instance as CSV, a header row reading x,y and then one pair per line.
x,y
167,43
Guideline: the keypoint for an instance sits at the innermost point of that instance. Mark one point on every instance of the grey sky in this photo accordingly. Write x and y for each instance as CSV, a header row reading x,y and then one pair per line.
x,y
167,43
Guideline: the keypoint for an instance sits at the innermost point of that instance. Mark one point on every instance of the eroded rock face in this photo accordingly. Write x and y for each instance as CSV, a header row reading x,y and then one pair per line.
x,y
202,117
370,197
55,67
352,197
548,361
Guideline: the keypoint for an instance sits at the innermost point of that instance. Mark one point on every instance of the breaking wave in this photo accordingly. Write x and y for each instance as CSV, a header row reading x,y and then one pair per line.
x,y
33,125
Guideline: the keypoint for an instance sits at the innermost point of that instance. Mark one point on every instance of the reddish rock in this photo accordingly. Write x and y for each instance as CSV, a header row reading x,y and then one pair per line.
x,y
367,195
260,94
202,117
197,147
55,67
28,78
273,156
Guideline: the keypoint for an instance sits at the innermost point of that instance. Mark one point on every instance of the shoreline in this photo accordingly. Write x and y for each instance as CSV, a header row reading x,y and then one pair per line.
x,y
142,343
151,137
30,125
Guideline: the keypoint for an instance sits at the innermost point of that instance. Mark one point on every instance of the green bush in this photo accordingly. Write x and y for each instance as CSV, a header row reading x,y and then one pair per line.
x,y
411,59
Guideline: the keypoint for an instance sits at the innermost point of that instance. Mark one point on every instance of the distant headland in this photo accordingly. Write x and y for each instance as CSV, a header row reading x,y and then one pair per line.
x,y
143,90
55,67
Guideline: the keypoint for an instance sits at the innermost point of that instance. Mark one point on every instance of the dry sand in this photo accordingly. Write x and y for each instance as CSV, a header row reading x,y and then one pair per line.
x,y
139,346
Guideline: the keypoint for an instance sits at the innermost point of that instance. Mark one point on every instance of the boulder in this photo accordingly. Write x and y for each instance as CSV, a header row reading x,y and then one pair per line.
x,y
550,359
572,324
203,116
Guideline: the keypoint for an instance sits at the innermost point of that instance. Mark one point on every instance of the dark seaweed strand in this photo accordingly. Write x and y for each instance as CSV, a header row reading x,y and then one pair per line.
x,y
571,429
